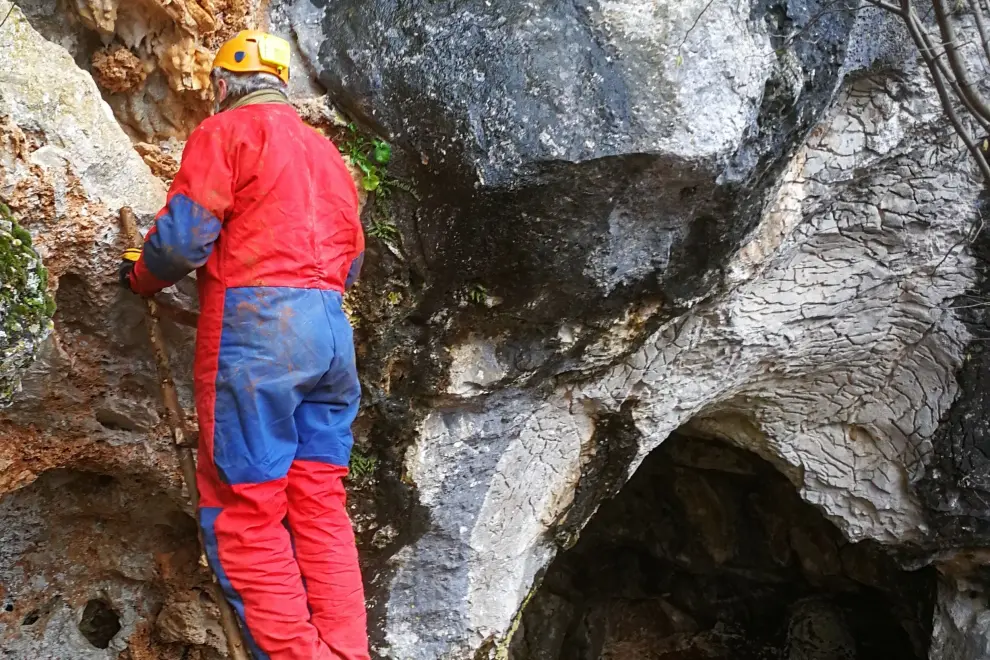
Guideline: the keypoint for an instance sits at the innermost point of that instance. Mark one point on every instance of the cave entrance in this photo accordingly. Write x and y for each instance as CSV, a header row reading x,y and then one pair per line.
x,y
709,553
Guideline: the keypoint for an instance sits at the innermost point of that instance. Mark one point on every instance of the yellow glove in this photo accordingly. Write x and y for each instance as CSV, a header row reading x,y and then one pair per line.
x,y
127,261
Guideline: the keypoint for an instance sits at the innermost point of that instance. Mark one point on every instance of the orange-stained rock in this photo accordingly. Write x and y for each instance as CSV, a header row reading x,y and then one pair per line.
x,y
156,76
116,69
162,164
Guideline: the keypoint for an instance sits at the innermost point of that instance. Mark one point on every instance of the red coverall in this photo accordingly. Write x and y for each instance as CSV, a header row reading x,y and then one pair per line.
x,y
263,206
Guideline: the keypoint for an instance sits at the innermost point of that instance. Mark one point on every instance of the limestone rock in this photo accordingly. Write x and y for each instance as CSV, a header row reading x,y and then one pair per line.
x,y
795,228
65,124
80,555
646,579
962,622
606,223
189,622
118,70
817,631
155,73
805,274
65,168
163,164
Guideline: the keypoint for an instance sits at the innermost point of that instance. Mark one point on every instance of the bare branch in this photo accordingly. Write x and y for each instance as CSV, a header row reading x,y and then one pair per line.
x,y
969,90
981,26
9,12
947,73
951,82
919,39
893,9
967,239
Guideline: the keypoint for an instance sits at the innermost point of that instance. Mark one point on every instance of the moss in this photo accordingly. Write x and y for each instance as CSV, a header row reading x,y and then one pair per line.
x,y
26,308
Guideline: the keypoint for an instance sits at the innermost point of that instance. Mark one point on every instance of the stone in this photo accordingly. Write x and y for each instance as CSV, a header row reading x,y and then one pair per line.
x,y
820,343
155,75
817,631
118,70
189,623
962,622
606,222
77,128
644,581
66,167
72,539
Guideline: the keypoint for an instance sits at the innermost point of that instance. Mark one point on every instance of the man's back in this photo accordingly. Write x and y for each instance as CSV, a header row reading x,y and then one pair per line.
x,y
293,221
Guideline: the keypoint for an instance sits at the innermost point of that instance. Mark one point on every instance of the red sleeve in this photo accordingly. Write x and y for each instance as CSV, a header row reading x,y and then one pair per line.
x,y
198,201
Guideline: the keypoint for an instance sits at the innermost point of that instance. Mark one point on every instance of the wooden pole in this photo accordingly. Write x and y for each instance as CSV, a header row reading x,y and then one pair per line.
x,y
180,435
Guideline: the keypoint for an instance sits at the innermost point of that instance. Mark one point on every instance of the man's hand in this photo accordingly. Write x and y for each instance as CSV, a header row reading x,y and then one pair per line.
x,y
127,261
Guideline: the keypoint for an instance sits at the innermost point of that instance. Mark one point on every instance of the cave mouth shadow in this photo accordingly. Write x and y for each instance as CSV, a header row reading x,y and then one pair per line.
x,y
708,552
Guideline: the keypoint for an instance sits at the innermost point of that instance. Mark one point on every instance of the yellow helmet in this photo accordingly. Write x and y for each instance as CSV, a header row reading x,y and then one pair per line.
x,y
252,51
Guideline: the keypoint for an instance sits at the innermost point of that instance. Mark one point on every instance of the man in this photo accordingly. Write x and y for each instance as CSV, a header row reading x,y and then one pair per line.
x,y
263,206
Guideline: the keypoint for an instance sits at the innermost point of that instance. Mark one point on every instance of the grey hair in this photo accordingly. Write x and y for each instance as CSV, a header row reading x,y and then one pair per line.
x,y
240,85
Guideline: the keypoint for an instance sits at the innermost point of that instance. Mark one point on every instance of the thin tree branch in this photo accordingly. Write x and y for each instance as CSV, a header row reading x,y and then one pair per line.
x,y
956,63
948,74
916,35
9,12
893,9
981,25
968,239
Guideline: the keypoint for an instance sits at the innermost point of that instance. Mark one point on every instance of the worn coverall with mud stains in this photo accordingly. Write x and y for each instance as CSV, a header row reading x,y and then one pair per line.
x,y
263,206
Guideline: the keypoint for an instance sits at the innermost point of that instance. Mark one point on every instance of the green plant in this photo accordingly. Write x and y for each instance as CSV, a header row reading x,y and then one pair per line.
x,y
383,229
393,297
369,156
362,465
23,280
478,294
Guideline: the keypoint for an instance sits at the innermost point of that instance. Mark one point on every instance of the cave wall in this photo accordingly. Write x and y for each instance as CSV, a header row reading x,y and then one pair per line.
x,y
95,567
610,221
709,552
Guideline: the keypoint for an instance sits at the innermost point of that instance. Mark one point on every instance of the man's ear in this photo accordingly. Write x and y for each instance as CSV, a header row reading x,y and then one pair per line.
x,y
221,90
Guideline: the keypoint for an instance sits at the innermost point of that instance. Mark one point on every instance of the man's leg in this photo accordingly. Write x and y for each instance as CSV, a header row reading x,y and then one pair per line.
x,y
321,530
247,391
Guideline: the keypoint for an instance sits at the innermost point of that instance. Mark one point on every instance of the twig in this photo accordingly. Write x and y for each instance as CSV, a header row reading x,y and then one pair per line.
x,y
969,238
948,74
697,19
893,9
9,12
917,35
956,63
981,26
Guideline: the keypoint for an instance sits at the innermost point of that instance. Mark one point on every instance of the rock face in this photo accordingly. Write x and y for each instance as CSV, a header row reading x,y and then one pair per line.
x,y
90,563
621,117
771,263
65,168
602,225
151,59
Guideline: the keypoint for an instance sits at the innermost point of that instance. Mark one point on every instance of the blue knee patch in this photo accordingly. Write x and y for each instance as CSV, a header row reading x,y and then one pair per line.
x,y
207,522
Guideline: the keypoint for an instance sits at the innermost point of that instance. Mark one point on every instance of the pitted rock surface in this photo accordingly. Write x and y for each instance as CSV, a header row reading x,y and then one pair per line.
x,y
611,221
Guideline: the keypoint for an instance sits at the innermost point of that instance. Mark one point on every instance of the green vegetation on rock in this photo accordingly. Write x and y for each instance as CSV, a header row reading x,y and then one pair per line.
x,y
26,308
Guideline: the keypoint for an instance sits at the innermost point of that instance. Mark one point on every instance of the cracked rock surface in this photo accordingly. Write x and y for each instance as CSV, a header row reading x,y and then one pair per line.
x,y
606,223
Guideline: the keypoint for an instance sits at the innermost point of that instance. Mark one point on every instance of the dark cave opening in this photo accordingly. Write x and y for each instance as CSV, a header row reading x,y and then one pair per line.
x,y
99,623
710,553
